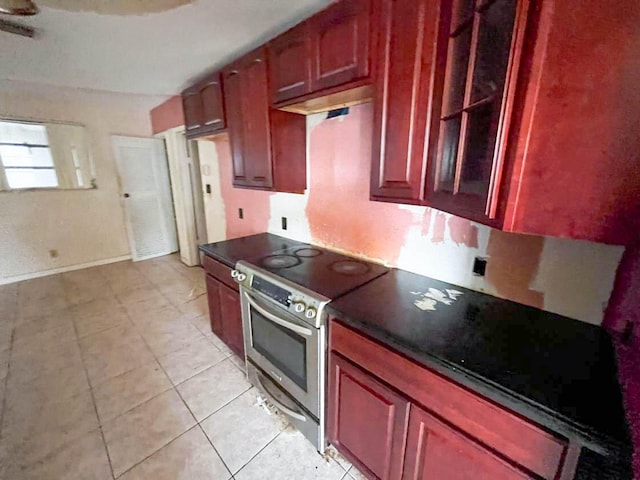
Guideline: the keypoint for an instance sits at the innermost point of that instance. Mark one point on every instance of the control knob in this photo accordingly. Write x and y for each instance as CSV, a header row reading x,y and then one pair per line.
x,y
241,277
299,307
234,273
310,313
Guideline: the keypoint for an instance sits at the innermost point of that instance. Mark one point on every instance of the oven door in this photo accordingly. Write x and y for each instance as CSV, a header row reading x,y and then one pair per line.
x,y
285,347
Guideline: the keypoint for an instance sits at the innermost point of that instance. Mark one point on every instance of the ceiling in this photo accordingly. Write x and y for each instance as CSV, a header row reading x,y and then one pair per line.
x,y
153,47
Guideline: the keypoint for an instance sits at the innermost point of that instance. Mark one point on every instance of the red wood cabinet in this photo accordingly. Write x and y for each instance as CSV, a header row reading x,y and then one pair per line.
x,y
289,64
367,420
204,110
452,433
437,451
327,53
340,42
500,113
224,305
231,316
407,85
256,131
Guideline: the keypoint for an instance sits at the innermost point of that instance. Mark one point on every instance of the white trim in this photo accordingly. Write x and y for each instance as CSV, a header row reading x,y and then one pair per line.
x,y
70,268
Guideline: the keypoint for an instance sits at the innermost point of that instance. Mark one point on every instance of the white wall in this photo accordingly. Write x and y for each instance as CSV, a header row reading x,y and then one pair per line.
x,y
84,226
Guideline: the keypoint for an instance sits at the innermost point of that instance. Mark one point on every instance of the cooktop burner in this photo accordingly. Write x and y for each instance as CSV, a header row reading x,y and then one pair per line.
x,y
280,261
322,271
350,267
307,252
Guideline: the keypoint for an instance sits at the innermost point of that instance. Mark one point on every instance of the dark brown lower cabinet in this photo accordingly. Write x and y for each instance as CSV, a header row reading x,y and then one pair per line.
x,y
367,420
435,429
224,305
437,451
231,316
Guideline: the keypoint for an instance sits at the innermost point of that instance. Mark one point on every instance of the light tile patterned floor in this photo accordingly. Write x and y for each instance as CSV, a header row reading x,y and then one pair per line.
x,y
113,372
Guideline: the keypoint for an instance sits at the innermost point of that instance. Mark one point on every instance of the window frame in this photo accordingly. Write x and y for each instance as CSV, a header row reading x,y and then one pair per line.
x,y
89,182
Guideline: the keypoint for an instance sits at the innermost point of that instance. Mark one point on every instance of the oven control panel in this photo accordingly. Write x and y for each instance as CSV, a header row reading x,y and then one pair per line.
x,y
279,294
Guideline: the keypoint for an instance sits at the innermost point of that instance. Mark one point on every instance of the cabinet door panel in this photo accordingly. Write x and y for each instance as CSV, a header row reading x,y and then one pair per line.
x,y
231,318
235,121
256,129
213,297
436,451
341,41
367,421
212,104
290,64
192,104
408,90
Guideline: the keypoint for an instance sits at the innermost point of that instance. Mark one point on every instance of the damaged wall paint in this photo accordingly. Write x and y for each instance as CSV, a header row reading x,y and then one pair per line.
x,y
568,277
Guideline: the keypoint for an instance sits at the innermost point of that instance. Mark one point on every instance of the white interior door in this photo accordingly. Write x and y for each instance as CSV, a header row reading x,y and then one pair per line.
x,y
146,193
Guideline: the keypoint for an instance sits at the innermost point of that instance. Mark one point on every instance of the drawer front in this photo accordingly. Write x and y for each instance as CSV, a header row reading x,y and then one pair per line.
x,y
509,434
219,271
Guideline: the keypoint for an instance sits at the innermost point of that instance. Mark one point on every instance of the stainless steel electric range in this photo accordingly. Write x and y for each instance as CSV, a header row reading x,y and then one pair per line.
x,y
283,300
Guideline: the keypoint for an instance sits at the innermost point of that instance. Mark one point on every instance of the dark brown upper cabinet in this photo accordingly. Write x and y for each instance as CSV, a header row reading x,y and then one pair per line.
x,y
204,110
340,44
289,65
500,111
407,86
482,60
268,146
324,61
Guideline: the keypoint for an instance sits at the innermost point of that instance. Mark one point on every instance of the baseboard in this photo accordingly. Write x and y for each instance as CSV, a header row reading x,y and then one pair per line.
x,y
55,271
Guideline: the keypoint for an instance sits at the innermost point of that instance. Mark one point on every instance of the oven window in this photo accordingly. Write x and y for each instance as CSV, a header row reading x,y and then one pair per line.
x,y
285,349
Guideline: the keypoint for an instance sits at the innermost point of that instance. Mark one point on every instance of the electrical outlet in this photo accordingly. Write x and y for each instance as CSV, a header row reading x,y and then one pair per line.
x,y
240,213
479,266
284,223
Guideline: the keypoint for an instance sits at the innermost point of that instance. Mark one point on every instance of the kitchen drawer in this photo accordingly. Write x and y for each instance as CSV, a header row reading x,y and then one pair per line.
x,y
219,271
501,430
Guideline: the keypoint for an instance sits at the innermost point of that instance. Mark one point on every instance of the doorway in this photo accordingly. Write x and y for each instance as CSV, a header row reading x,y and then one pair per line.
x,y
186,185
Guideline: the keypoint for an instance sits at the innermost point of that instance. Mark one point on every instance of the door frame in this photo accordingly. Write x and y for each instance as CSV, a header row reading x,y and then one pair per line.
x,y
182,189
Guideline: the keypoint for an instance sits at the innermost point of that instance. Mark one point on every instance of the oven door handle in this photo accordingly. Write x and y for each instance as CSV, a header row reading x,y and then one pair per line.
x,y
286,410
283,323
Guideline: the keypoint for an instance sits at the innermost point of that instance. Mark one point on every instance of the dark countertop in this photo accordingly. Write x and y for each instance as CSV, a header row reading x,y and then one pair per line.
x,y
554,370
247,248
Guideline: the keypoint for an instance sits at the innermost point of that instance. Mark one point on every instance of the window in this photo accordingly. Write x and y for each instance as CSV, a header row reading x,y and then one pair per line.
x,y
478,54
26,156
44,155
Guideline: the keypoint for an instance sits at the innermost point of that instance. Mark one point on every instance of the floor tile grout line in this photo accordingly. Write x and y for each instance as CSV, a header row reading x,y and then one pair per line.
x,y
95,405
216,450
195,425
173,387
259,452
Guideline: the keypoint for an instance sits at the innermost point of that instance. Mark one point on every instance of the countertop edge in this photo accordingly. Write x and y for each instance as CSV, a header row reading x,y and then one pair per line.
x,y
521,405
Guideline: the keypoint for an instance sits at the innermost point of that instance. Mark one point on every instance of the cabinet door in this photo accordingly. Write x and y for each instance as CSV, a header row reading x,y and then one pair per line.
x,y
482,61
192,104
437,451
367,421
235,122
408,88
340,44
290,64
213,297
212,104
254,100
231,318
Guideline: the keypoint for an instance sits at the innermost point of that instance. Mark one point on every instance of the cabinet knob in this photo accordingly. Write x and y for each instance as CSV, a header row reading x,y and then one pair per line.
x,y
126,195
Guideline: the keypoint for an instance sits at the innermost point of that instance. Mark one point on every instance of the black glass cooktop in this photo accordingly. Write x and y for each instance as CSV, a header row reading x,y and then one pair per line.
x,y
322,271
